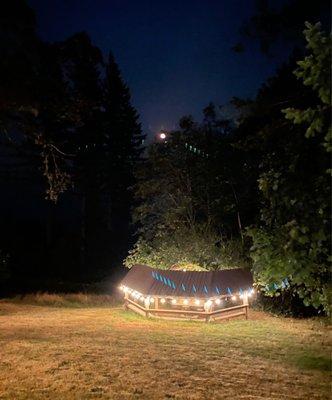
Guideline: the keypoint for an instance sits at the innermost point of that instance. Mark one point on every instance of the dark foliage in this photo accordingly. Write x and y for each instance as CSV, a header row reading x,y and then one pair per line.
x,y
66,116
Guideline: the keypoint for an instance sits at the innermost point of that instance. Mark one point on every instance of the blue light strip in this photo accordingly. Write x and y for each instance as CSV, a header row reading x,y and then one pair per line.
x,y
170,283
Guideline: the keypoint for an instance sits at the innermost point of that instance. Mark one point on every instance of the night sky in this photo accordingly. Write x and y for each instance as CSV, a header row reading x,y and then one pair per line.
x,y
175,55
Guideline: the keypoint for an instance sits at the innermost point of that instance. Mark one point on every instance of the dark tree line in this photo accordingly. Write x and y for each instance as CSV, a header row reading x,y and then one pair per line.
x,y
252,190
68,126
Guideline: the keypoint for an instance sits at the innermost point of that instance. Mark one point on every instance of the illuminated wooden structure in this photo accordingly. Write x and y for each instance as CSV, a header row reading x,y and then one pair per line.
x,y
202,296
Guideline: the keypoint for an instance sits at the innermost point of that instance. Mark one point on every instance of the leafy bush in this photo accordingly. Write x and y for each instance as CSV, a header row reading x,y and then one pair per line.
x,y
278,268
188,249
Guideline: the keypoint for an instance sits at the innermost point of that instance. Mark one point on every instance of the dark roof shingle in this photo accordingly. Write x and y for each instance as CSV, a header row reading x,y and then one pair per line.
x,y
156,282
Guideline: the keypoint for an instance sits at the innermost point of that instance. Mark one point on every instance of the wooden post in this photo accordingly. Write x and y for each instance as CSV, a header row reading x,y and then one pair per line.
x,y
126,302
207,309
246,303
147,305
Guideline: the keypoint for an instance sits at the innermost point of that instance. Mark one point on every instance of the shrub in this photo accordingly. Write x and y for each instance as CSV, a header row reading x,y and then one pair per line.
x,y
198,249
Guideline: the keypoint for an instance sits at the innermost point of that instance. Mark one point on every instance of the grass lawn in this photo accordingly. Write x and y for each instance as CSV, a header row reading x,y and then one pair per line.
x,y
104,352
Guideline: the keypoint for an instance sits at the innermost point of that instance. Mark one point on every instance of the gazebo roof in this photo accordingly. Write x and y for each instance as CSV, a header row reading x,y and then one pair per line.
x,y
206,284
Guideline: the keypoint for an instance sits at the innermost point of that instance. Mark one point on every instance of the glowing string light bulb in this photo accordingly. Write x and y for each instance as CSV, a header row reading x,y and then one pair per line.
x,y
173,301
218,301
197,302
185,302
162,301
233,298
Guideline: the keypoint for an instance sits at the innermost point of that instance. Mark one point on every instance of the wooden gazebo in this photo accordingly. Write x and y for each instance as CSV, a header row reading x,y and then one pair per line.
x,y
205,296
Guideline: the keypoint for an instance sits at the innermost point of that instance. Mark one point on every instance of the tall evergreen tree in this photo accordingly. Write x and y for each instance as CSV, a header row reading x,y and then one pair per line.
x,y
124,139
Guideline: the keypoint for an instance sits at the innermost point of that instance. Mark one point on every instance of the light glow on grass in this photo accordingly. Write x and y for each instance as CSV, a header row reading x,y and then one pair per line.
x,y
295,359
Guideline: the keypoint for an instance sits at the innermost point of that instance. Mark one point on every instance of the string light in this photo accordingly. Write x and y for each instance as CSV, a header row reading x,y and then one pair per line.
x,y
138,296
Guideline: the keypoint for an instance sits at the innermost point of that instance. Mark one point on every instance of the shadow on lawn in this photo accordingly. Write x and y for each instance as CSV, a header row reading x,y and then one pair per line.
x,y
310,361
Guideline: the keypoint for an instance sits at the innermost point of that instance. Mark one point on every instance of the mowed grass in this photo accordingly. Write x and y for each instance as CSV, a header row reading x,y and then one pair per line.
x,y
93,352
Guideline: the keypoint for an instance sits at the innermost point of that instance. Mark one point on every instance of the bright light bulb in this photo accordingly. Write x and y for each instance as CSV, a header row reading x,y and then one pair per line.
x,y
173,301
217,301
162,136
152,300
233,298
185,301
208,303
162,301
197,302
241,296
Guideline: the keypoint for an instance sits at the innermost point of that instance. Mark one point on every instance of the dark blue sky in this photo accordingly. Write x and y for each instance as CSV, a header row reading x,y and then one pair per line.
x,y
175,55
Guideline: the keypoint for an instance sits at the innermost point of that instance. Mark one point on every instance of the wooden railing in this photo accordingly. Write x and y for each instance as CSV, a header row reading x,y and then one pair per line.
x,y
222,313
